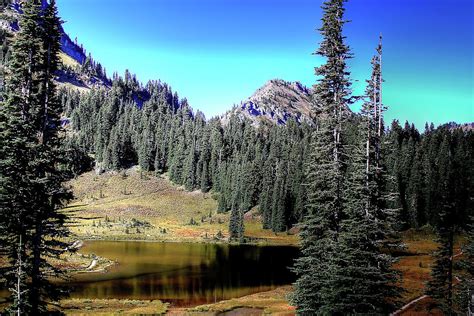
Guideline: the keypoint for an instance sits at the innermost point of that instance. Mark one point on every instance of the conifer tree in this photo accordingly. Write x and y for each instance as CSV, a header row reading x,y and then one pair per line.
x,y
464,297
236,225
325,206
31,178
440,286
367,282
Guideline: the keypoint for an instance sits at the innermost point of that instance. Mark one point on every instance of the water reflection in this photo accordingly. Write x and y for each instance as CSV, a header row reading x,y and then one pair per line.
x,y
185,274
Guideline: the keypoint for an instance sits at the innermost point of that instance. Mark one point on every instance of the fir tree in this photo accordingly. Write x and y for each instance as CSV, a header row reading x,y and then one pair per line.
x,y
236,225
367,281
31,185
464,298
440,286
325,206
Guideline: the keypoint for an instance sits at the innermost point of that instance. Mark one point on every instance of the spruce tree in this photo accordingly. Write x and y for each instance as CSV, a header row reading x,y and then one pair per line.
x,y
465,294
31,179
367,283
440,287
320,230
236,225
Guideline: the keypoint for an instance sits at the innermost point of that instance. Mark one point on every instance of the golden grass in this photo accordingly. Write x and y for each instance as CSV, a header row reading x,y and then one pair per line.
x,y
122,197
273,302
78,307
416,268
68,60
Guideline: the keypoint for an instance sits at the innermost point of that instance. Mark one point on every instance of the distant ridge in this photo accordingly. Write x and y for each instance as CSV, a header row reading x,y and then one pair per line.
x,y
465,126
277,102
73,55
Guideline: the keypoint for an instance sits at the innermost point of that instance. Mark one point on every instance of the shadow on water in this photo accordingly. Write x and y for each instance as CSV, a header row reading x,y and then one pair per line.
x,y
185,274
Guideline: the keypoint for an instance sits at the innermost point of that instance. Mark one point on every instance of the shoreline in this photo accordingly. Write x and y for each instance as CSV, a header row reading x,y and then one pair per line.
x,y
193,241
273,301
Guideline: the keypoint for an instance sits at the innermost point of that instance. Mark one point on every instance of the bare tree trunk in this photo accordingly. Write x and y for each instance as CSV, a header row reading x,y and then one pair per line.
x,y
367,166
450,270
19,275
380,90
337,132
46,97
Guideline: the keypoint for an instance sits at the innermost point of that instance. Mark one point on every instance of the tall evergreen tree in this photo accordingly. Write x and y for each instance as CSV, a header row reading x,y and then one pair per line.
x,y
367,282
31,178
465,294
325,207
440,286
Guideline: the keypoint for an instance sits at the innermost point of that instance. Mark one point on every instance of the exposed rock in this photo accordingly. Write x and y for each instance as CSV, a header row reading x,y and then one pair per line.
x,y
466,127
277,101
9,22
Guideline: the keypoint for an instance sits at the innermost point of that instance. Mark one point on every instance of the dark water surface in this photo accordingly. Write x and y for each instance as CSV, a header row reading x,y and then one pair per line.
x,y
184,273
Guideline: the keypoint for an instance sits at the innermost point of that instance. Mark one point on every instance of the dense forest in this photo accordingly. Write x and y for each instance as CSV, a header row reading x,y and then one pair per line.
x,y
245,165
347,181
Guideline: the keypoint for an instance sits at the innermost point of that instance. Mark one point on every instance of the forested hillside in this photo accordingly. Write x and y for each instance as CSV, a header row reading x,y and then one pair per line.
x,y
291,157
249,165
77,69
422,163
163,134
119,122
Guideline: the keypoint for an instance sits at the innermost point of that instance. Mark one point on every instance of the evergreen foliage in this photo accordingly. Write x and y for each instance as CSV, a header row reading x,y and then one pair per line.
x,y
318,267
451,202
344,267
464,296
31,174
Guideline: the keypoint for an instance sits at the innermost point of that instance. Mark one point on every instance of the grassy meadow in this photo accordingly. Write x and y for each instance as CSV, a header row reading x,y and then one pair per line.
x,y
132,205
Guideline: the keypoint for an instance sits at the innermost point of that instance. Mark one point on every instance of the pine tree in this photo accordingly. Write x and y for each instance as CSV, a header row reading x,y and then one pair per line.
x,y
440,286
279,200
31,178
464,297
325,207
16,135
236,225
367,282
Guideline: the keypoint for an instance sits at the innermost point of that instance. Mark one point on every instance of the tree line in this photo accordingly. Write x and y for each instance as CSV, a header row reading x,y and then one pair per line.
x,y
363,190
152,127
349,182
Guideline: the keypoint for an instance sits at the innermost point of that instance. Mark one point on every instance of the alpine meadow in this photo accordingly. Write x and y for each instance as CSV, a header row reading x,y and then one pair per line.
x,y
348,192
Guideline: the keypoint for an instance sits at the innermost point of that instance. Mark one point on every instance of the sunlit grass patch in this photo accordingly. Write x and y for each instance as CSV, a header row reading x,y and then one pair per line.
x,y
107,204
113,307
68,60
272,302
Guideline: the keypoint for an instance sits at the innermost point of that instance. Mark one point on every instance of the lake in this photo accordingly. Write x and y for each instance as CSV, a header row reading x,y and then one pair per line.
x,y
184,274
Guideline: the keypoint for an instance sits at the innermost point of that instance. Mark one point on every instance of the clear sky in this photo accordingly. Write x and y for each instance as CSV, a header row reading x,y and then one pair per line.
x,y
218,52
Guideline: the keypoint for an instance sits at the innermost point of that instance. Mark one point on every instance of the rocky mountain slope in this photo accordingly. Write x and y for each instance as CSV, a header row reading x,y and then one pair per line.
x,y
73,55
466,127
277,101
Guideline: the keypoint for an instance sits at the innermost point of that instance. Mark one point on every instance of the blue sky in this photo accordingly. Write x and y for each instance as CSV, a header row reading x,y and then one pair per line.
x,y
218,52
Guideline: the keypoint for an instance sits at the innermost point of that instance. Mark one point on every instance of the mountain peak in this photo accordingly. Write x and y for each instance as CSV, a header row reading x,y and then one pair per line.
x,y
276,101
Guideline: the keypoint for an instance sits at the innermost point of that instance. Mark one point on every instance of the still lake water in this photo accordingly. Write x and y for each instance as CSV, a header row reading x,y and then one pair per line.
x,y
184,274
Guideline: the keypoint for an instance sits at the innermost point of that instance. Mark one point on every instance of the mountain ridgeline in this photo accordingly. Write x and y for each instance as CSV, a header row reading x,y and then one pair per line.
x,y
293,154
78,69
245,162
276,102
254,155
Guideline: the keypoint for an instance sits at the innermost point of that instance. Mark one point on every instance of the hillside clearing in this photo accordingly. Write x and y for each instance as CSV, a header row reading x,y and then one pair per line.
x,y
132,205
